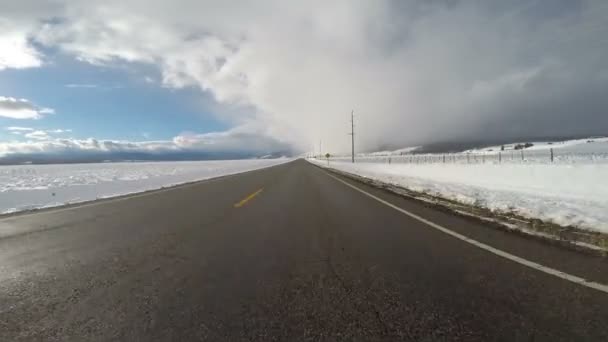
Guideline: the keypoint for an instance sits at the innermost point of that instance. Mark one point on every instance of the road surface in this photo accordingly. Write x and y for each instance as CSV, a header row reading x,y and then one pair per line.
x,y
284,253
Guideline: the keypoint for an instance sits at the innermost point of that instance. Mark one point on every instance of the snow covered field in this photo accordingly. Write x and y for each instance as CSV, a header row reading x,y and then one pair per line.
x,y
26,187
578,151
566,194
591,145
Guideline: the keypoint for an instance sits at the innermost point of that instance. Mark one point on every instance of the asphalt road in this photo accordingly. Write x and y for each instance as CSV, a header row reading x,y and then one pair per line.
x,y
285,253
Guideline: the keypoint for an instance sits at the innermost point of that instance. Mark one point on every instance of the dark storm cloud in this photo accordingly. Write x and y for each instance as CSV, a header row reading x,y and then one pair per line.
x,y
414,71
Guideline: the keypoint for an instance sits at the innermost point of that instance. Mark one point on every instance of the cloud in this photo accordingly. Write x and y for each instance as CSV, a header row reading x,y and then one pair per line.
x,y
18,22
15,130
240,141
19,129
59,130
16,52
31,133
38,135
13,108
413,71
93,86
83,85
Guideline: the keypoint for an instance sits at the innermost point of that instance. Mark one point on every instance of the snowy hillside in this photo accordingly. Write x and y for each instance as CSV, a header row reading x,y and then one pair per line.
x,y
579,151
25,187
400,151
598,145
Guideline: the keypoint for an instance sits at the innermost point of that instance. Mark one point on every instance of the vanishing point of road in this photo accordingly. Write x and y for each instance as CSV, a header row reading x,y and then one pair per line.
x,y
285,253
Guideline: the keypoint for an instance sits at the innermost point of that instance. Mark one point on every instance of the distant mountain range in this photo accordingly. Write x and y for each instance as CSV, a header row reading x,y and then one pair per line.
x,y
100,157
460,146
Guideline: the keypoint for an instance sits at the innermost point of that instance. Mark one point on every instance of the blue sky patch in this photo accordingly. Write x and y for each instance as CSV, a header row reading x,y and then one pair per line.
x,y
125,101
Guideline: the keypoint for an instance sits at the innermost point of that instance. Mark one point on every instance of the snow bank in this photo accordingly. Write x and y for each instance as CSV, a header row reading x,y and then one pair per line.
x,y
26,187
566,194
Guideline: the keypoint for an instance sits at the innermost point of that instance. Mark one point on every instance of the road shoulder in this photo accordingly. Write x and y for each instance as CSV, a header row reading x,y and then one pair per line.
x,y
590,266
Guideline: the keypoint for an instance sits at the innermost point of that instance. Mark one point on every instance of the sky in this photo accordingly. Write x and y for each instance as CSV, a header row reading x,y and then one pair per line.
x,y
251,78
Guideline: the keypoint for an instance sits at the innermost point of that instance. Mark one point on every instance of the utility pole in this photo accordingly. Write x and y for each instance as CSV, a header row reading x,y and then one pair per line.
x,y
352,135
320,148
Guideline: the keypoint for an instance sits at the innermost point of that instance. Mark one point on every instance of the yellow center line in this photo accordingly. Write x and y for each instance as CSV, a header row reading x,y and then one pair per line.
x,y
247,199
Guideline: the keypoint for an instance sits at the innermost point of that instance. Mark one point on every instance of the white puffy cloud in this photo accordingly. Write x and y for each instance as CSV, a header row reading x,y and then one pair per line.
x,y
16,52
21,109
19,20
414,71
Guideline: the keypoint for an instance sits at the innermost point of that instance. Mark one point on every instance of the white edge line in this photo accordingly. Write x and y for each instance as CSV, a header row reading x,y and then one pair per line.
x,y
495,251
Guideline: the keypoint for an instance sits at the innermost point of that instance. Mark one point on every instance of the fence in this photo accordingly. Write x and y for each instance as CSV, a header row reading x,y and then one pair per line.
x,y
499,157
